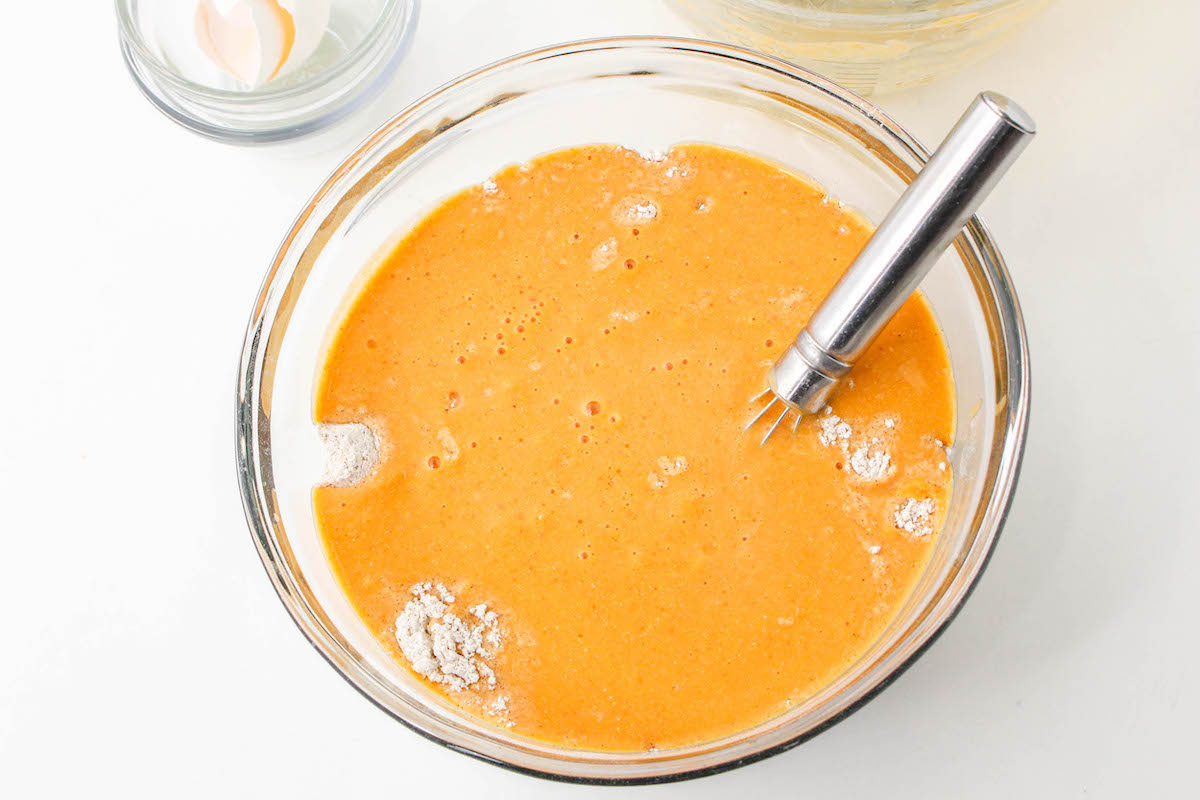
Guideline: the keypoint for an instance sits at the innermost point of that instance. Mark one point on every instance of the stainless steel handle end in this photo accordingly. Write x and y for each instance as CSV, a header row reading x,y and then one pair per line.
x,y
1009,111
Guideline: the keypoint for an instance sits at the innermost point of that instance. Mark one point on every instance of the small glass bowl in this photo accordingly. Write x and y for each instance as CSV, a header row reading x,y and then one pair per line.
x,y
870,46
648,94
363,45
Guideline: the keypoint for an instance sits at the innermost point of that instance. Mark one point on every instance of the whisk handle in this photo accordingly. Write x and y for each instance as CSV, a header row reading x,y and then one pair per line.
x,y
926,219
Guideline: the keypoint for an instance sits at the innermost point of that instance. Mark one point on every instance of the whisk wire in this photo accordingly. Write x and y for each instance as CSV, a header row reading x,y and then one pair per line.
x,y
762,411
771,404
776,425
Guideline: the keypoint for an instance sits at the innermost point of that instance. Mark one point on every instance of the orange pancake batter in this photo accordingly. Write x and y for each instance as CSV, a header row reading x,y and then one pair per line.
x,y
558,365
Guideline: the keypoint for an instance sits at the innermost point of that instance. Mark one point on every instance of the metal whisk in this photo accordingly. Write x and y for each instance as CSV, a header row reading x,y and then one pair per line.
x,y
925,220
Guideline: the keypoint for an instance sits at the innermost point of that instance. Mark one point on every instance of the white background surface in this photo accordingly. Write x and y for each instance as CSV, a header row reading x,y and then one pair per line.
x,y
144,654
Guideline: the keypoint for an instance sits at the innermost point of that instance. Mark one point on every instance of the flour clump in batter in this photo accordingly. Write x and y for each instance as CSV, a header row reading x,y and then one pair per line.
x,y
440,645
916,516
351,453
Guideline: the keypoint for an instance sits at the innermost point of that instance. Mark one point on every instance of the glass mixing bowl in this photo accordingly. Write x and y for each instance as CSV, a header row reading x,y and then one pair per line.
x,y
646,93
871,46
